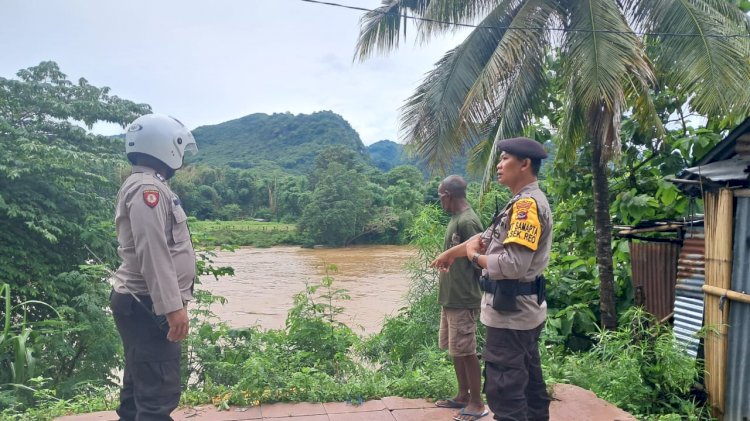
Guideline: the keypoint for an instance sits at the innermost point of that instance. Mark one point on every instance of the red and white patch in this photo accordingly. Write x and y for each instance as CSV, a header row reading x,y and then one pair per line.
x,y
151,197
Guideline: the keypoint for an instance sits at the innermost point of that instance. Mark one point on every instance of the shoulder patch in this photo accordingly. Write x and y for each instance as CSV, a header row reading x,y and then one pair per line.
x,y
524,228
151,197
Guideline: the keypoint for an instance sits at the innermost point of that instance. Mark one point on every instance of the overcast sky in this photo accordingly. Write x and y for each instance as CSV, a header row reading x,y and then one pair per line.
x,y
206,62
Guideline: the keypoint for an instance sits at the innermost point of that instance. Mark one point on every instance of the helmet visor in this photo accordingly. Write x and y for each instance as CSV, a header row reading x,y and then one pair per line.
x,y
191,149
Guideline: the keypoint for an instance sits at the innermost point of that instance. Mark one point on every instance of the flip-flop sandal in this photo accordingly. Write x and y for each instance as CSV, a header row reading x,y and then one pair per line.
x,y
449,403
473,416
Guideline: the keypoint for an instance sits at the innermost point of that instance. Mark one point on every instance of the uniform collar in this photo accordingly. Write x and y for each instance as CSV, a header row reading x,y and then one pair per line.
x,y
531,186
147,170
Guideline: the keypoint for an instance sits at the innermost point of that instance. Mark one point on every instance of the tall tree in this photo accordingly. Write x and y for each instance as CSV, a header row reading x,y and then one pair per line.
x,y
613,54
57,189
339,208
56,179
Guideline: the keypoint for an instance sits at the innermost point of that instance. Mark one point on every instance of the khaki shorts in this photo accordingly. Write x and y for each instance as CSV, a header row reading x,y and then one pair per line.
x,y
458,331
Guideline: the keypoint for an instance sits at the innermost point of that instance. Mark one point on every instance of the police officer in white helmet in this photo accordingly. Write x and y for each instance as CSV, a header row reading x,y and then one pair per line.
x,y
153,284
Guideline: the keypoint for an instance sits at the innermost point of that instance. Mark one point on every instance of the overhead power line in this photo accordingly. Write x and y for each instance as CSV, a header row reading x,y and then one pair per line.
x,y
519,28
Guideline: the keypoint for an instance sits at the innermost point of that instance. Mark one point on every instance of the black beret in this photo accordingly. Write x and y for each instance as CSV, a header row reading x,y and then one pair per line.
x,y
522,147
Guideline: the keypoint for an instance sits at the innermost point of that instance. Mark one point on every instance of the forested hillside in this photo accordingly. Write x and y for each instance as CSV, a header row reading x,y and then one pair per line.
x,y
290,143
386,154
278,141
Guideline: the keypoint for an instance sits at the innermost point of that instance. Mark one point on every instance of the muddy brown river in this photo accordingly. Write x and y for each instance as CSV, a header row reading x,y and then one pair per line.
x,y
261,291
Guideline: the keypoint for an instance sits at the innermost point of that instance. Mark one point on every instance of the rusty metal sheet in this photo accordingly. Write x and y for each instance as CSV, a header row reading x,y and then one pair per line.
x,y
654,267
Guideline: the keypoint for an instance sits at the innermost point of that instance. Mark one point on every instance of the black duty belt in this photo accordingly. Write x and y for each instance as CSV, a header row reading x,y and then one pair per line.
x,y
505,291
521,288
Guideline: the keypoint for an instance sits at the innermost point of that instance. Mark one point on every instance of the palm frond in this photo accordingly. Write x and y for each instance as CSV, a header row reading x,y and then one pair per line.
x,y
381,29
644,109
458,11
573,128
509,84
599,51
712,70
479,155
515,70
733,13
430,118
641,10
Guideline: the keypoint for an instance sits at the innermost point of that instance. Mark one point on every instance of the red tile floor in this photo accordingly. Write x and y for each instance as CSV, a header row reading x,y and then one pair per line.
x,y
571,404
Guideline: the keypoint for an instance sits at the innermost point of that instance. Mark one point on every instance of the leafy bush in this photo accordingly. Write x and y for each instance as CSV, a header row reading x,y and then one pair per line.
x,y
313,331
85,347
637,367
78,347
17,353
87,398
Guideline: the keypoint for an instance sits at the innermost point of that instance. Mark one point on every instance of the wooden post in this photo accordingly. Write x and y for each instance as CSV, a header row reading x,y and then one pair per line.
x,y
719,207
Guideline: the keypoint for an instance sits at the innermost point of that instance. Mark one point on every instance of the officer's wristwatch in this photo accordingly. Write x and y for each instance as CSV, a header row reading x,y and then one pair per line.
x,y
475,258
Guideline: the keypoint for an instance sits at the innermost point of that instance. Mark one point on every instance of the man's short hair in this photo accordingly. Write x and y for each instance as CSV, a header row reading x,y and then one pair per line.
x,y
455,185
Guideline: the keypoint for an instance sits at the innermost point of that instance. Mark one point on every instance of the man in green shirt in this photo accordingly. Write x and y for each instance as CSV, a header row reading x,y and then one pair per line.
x,y
460,298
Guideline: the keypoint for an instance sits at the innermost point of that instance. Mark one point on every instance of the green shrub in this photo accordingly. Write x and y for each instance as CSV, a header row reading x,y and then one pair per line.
x,y
638,367
75,348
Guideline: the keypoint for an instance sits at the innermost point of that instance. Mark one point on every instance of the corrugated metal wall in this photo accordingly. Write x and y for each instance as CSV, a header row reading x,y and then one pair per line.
x,y
738,359
654,268
688,306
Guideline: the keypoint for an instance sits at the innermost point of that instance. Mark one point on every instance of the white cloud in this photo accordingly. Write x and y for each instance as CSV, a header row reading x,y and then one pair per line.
x,y
209,62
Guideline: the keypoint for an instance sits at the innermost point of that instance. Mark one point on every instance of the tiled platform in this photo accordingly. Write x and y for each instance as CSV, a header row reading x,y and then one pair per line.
x,y
571,404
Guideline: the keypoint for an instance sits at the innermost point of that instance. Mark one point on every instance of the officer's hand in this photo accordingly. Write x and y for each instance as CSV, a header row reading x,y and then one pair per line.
x,y
482,246
475,245
178,325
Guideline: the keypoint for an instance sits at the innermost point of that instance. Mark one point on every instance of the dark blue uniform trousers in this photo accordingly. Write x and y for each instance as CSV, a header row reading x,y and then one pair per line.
x,y
513,378
151,381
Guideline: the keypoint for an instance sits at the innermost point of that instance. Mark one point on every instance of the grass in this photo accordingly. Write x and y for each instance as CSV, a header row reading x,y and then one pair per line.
x,y
245,233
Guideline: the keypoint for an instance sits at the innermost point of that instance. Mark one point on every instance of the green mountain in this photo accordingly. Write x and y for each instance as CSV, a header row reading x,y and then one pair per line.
x,y
278,141
386,154
290,143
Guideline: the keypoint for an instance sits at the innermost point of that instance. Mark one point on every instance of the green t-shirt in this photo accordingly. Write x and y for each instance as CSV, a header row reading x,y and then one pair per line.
x,y
459,287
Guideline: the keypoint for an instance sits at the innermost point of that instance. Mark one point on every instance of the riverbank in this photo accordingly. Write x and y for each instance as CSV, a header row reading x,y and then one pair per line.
x,y
244,233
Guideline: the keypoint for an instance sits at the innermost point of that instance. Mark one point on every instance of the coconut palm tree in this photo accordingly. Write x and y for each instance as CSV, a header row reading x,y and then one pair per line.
x,y
614,53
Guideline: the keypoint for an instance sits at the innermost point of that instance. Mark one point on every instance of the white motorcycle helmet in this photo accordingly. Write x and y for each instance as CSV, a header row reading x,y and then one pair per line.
x,y
160,136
